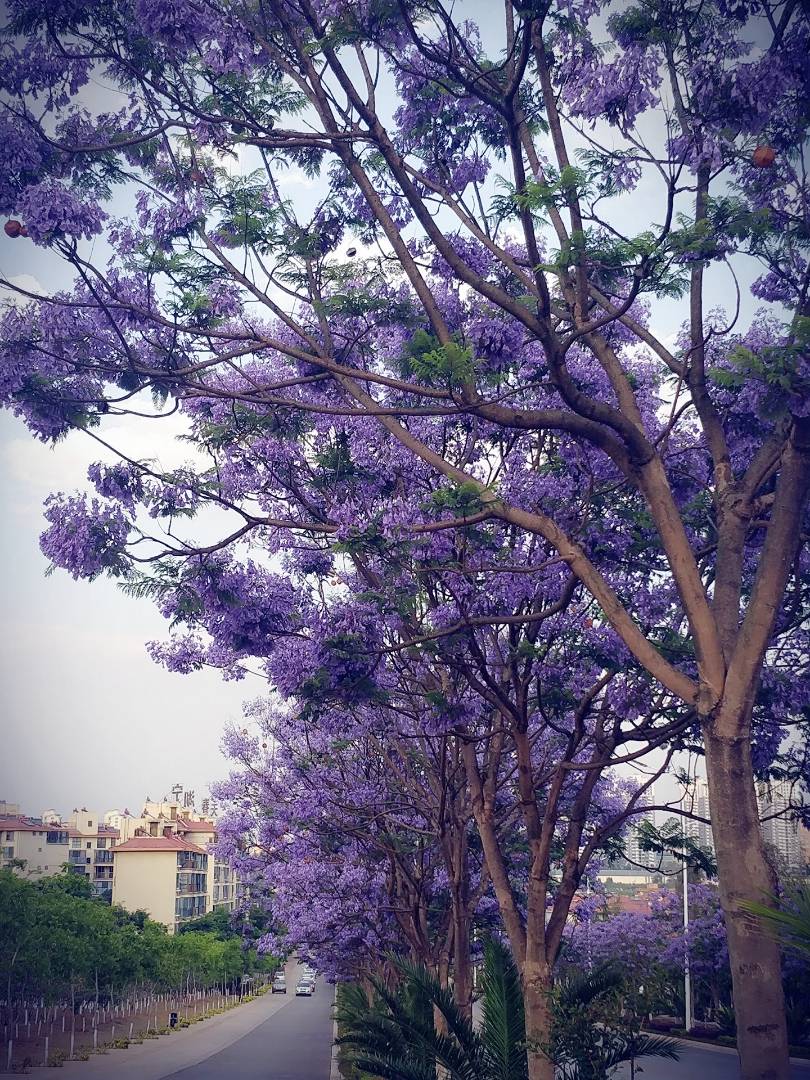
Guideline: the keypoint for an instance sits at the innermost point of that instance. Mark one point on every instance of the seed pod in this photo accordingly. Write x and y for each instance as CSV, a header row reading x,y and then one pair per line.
x,y
763,157
350,254
13,228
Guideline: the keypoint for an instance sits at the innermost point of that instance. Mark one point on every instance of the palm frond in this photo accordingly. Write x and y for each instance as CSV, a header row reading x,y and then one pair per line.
x,y
441,999
619,1048
503,1028
393,1068
582,989
792,926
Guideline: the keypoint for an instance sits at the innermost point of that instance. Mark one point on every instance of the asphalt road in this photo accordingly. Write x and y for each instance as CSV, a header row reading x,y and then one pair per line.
x,y
699,1063
294,1043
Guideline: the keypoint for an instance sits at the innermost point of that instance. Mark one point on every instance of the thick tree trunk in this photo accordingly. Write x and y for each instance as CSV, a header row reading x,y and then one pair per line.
x,y
745,874
536,989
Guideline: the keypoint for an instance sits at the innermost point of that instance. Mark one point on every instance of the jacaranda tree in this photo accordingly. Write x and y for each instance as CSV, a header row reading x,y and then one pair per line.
x,y
506,215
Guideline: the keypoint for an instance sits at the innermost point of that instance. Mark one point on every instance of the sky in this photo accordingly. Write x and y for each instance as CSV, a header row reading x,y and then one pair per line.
x,y
86,717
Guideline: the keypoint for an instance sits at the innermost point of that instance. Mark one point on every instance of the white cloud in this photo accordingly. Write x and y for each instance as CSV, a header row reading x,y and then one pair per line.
x,y
28,283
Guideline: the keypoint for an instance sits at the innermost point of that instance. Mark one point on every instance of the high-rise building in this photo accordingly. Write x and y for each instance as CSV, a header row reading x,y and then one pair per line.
x,y
632,849
779,829
697,803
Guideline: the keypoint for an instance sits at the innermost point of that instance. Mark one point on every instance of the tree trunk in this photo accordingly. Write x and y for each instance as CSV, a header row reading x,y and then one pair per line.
x,y
462,974
536,989
744,874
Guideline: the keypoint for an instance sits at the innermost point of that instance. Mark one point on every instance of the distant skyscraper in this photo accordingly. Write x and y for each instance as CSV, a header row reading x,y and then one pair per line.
x,y
632,850
698,803
778,828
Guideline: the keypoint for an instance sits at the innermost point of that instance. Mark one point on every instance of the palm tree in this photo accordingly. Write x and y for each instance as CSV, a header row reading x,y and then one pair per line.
x,y
593,1031
792,922
393,1035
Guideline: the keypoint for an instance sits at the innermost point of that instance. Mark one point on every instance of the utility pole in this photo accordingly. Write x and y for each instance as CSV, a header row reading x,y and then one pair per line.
x,y
687,975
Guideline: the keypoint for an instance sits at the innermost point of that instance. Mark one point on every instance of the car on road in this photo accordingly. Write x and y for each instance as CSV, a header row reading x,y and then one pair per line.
x,y
280,984
304,988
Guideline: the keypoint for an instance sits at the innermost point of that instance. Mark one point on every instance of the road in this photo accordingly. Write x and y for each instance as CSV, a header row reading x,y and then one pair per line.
x,y
275,1037
704,1062
295,1043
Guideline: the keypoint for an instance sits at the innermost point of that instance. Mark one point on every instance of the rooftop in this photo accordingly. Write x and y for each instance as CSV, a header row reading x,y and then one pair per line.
x,y
188,825
157,843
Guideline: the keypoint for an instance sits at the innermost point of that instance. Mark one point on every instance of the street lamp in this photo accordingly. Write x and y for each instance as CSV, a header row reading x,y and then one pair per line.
x,y
687,975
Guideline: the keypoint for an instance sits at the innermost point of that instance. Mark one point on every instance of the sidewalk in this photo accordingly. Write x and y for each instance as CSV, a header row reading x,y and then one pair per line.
x,y
155,1058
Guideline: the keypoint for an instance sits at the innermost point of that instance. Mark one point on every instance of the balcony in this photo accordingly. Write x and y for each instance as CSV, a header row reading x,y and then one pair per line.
x,y
104,857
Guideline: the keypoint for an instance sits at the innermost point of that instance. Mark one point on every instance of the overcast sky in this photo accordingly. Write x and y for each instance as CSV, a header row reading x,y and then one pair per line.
x,y
89,719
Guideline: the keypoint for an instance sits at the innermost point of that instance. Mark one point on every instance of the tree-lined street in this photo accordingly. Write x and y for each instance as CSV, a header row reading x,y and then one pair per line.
x,y
275,1037
486,332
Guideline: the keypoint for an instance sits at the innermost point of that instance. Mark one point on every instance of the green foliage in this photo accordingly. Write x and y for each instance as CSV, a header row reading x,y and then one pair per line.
x,y
726,219
54,941
791,921
557,190
670,839
438,365
776,366
641,25
461,500
595,1027
392,1034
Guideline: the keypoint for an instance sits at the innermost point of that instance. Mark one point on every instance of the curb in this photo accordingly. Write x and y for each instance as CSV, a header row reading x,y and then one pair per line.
x,y
334,1071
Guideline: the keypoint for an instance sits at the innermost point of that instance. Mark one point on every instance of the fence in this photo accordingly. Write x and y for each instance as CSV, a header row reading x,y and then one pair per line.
x,y
35,1033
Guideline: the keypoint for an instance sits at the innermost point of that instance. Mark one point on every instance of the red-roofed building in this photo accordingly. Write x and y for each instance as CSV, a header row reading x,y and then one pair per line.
x,y
167,876
174,819
157,843
32,847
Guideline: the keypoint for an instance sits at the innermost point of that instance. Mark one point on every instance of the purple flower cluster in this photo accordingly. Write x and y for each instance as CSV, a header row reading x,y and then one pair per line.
x,y
85,538
52,211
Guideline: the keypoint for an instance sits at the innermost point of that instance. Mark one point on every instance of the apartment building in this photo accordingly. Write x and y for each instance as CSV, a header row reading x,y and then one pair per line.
x,y
779,830
143,869
697,803
166,876
783,834
32,847
160,860
91,850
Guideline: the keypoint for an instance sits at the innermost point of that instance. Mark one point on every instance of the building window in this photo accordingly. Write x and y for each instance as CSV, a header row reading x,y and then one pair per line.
x,y
101,842
189,907
189,882
56,837
75,842
9,836
191,860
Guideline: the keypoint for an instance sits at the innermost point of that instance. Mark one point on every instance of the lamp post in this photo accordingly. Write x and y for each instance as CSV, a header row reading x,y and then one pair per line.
x,y
687,975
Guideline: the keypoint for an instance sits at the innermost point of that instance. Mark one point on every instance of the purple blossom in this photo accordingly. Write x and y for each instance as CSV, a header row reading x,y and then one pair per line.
x,y
84,538
50,211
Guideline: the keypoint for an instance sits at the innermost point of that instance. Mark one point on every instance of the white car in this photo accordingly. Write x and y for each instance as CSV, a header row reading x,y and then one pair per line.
x,y
304,988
